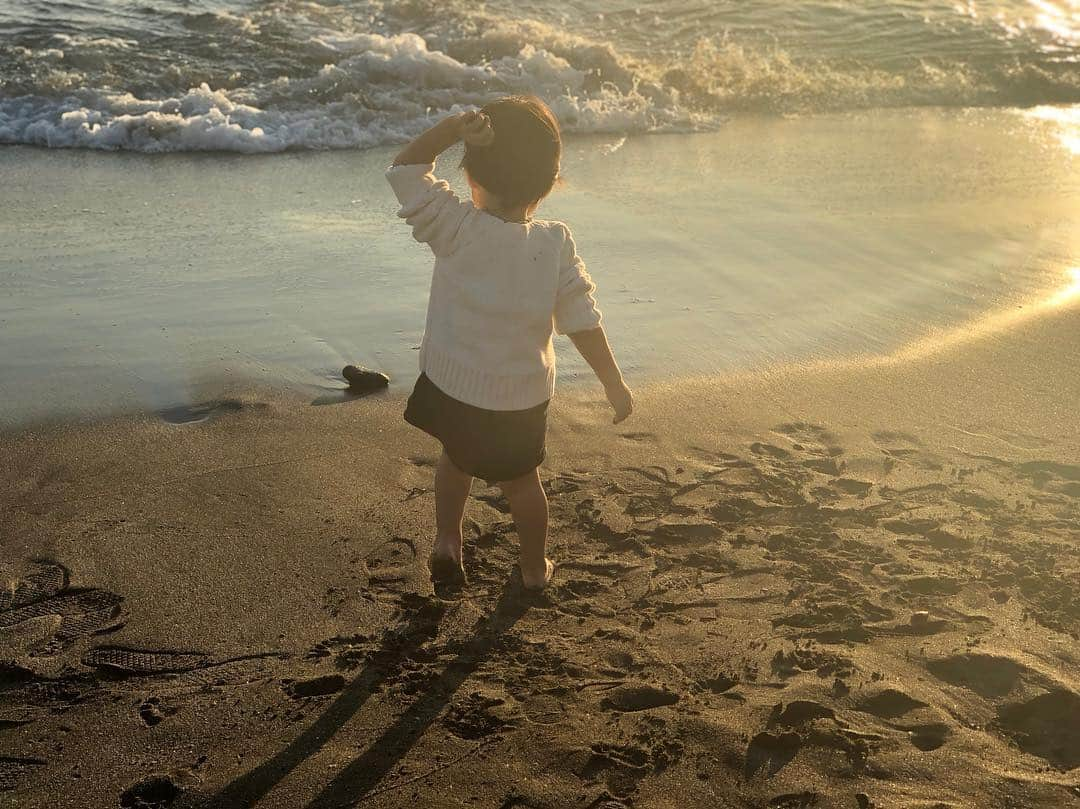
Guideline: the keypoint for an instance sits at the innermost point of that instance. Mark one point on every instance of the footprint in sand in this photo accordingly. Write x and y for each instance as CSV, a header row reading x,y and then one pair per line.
x,y
181,669
495,500
855,488
622,767
479,715
810,438
895,442
126,661
927,737
544,709
931,530
41,605
794,800
151,792
988,676
14,770
153,711
199,413
1047,726
1053,477
770,753
638,697
42,580
770,451
888,703
813,441
319,686
562,484
391,564
905,448
651,749
801,660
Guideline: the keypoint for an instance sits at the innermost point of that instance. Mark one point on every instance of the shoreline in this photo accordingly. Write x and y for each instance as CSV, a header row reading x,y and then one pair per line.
x,y
148,283
1055,303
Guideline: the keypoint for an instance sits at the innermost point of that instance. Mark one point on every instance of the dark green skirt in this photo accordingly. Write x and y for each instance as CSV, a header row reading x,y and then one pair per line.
x,y
495,445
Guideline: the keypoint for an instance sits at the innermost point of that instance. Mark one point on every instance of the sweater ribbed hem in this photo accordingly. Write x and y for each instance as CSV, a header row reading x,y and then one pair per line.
x,y
481,389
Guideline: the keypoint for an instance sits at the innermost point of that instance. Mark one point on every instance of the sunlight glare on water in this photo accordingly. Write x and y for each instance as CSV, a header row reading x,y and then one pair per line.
x,y
1066,121
1062,19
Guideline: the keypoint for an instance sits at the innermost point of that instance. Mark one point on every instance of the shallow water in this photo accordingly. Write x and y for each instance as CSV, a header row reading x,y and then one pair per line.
x,y
139,282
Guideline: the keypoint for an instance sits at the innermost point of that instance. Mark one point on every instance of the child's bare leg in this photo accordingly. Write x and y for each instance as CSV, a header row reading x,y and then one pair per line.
x,y
529,507
451,491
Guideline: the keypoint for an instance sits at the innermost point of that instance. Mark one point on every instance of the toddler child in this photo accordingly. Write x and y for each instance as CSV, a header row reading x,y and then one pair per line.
x,y
502,283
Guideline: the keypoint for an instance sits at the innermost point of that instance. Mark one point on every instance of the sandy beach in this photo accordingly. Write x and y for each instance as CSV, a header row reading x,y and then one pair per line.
x,y
830,562
833,585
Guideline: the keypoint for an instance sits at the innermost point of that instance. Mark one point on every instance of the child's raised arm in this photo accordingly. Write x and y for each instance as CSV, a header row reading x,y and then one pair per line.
x,y
593,346
474,127
427,203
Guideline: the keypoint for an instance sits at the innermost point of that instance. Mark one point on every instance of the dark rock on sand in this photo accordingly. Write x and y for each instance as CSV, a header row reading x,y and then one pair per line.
x,y
364,380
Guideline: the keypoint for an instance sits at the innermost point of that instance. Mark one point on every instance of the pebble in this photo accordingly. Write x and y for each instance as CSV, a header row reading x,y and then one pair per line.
x,y
364,380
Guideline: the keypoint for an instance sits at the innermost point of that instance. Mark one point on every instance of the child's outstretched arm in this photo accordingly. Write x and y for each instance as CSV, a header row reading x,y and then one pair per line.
x,y
593,346
474,127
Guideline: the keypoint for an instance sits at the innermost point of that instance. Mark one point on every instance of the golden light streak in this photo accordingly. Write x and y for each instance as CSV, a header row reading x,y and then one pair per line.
x,y
992,323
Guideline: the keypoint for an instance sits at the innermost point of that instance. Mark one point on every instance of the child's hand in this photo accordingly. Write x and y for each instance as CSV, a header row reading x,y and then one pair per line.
x,y
621,399
475,129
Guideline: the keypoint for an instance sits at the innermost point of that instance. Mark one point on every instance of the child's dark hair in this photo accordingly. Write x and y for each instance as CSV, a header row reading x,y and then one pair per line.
x,y
521,165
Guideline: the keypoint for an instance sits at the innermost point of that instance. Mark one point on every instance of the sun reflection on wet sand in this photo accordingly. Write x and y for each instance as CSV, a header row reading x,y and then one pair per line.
x,y
1066,295
1069,292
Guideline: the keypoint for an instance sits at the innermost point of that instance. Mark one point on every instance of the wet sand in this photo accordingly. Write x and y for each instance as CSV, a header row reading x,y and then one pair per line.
x,y
840,584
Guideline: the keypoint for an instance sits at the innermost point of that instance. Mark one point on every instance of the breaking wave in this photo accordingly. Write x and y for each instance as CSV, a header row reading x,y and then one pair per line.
x,y
300,75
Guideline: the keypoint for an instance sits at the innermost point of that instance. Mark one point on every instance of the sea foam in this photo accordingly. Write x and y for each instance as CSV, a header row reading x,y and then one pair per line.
x,y
381,90
308,76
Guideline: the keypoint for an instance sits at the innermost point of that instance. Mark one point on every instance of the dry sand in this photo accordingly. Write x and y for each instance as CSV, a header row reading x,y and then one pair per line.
x,y
844,585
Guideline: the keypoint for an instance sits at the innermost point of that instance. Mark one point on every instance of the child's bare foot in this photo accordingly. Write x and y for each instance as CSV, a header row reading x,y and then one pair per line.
x,y
446,569
534,580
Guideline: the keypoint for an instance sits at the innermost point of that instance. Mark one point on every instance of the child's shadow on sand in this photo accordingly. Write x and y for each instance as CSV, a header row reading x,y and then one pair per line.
x,y
359,777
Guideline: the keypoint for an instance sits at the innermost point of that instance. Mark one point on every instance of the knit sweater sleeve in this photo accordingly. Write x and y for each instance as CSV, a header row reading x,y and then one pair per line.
x,y
575,306
429,206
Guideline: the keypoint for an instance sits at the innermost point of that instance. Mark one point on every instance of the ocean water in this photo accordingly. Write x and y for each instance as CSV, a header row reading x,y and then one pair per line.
x,y
186,75
751,183
146,282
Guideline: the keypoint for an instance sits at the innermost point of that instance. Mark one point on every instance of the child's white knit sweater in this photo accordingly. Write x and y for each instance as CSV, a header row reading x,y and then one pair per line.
x,y
498,291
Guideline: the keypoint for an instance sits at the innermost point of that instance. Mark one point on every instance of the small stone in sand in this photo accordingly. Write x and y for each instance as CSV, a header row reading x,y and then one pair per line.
x,y
364,380
920,618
